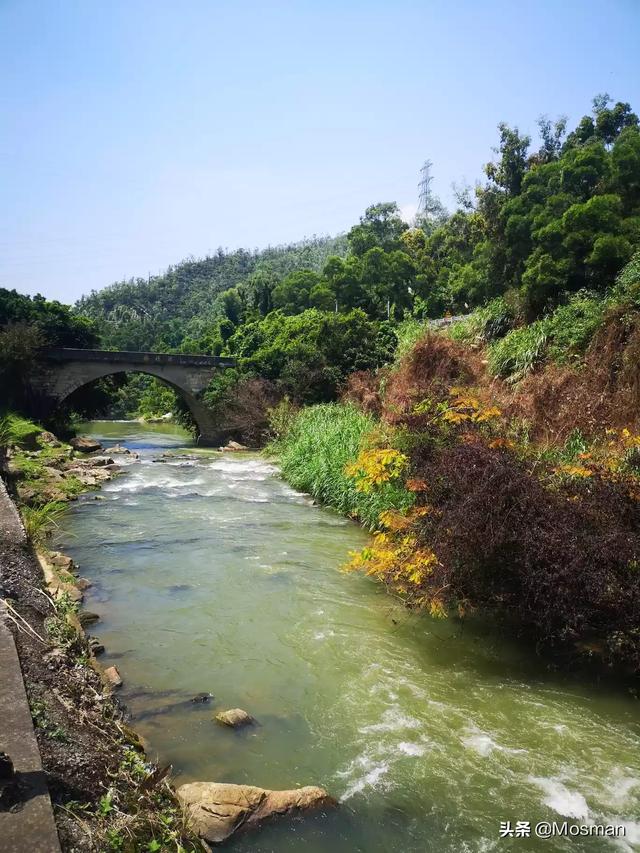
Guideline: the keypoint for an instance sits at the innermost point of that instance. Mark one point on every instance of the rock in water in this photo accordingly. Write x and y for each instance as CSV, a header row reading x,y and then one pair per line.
x,y
233,446
235,718
217,810
113,676
201,697
85,445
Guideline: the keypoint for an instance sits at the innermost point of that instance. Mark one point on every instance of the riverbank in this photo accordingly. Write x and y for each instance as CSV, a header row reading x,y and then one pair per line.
x,y
475,507
105,794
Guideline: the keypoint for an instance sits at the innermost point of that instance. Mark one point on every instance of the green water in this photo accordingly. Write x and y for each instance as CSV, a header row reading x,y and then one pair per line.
x,y
211,575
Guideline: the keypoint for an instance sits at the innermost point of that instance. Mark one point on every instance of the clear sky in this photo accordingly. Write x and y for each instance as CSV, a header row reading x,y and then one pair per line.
x,y
135,133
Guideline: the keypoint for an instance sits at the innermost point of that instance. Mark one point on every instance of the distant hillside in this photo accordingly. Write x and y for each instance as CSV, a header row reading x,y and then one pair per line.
x,y
161,312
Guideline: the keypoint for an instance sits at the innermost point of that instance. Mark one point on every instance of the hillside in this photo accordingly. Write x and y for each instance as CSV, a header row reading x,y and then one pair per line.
x,y
161,312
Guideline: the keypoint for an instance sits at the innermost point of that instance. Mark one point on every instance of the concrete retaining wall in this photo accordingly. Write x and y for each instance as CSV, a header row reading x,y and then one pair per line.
x,y
30,828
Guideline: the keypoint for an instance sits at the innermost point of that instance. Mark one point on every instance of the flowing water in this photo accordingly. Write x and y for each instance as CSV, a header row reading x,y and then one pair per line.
x,y
211,575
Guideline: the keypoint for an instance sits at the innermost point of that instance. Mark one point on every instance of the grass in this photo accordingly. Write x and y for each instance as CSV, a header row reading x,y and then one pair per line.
x,y
562,338
40,521
313,454
408,332
16,430
515,355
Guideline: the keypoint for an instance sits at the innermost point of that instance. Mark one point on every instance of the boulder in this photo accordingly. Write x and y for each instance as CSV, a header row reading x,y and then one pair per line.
x,y
232,446
85,445
48,439
41,494
61,561
112,677
53,473
217,810
90,464
96,646
119,448
86,617
83,584
235,718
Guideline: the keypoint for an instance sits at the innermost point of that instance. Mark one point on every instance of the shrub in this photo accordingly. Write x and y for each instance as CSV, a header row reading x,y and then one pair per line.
x,y
362,389
243,409
322,441
487,324
433,365
408,333
572,326
561,561
281,418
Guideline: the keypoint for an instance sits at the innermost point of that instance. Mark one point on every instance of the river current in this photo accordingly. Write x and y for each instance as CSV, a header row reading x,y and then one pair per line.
x,y
211,575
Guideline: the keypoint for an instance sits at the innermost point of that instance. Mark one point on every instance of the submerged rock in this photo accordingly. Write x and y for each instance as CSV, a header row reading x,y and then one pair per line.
x,y
235,717
84,444
86,617
217,810
201,697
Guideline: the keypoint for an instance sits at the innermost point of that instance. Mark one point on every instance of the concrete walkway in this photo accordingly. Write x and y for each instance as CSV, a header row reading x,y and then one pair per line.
x,y
30,827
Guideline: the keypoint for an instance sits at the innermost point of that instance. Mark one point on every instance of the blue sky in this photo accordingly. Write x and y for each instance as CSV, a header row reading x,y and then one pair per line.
x,y
134,134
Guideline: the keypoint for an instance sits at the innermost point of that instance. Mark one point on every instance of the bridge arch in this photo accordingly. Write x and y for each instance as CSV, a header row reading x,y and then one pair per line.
x,y
64,371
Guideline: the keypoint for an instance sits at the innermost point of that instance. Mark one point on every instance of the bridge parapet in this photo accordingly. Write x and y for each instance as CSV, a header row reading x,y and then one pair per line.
x,y
67,354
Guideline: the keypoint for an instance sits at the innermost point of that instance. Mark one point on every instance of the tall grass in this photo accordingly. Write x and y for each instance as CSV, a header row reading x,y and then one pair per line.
x,y
562,337
313,454
408,332
40,521
15,430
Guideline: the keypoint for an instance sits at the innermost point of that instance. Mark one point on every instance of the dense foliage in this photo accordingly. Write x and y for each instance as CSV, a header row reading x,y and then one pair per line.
x,y
27,324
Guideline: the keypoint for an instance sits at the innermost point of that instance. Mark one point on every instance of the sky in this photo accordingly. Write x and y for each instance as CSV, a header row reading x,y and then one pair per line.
x,y
134,134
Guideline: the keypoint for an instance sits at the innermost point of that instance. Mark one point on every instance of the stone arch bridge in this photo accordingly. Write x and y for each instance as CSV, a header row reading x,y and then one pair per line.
x,y
60,372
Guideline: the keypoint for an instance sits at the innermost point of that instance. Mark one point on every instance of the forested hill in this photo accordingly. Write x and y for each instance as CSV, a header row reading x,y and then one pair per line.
x,y
179,308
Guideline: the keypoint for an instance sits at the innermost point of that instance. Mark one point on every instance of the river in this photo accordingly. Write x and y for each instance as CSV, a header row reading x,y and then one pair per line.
x,y
211,575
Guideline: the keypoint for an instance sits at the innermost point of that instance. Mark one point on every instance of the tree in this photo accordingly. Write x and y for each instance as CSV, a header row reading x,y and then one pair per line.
x,y
293,294
381,226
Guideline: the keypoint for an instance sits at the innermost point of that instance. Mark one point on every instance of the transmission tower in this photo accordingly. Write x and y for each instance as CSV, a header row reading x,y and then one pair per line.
x,y
424,189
